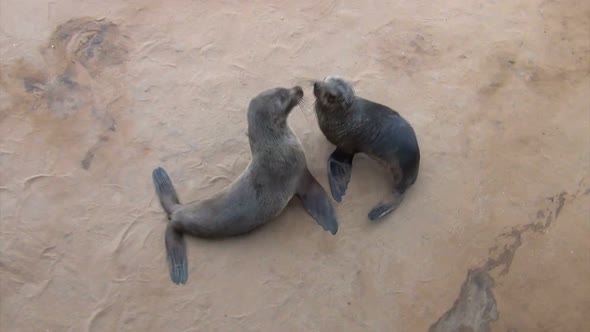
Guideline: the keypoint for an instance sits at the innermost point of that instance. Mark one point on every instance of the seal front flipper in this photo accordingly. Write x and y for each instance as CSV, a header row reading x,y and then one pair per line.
x,y
316,202
339,169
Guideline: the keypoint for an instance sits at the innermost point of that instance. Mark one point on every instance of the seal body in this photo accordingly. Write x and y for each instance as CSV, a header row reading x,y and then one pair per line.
x,y
277,172
356,125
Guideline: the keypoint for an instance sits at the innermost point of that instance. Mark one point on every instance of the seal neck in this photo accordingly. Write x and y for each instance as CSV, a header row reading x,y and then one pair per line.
x,y
333,116
264,135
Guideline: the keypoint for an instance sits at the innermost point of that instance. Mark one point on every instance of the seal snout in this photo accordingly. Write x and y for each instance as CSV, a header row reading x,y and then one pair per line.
x,y
296,95
294,98
297,91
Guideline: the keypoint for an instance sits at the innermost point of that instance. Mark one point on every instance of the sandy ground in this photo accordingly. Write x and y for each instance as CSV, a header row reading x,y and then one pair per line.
x,y
495,234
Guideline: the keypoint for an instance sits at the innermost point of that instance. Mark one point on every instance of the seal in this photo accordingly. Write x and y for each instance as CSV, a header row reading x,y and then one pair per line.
x,y
356,125
276,173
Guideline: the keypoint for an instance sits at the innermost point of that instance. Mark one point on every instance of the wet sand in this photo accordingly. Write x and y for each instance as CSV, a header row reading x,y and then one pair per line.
x,y
494,234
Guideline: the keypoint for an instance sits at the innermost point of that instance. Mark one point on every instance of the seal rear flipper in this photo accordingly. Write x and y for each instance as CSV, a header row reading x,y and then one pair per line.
x,y
165,190
176,252
316,203
383,209
339,169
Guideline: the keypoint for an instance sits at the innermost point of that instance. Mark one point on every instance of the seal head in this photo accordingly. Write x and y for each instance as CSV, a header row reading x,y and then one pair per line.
x,y
274,104
268,112
333,93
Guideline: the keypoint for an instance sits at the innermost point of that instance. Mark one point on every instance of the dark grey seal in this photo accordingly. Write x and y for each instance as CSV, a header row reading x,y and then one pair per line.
x,y
358,125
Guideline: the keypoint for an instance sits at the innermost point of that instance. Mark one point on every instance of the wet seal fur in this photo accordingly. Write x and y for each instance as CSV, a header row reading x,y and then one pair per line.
x,y
358,125
277,172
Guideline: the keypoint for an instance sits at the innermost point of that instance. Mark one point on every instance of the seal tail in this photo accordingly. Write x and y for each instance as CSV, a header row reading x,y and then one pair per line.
x,y
165,190
175,245
176,252
410,171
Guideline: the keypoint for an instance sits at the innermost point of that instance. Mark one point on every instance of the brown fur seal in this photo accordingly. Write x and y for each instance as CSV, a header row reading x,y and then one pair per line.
x,y
277,172
356,125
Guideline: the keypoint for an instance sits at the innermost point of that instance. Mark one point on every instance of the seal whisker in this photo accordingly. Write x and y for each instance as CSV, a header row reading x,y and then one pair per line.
x,y
304,108
306,81
300,107
303,102
305,105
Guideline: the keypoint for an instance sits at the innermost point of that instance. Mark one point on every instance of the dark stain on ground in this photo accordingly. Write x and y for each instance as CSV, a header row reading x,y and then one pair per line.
x,y
65,96
33,86
475,308
95,44
560,202
536,77
564,25
62,95
408,53
87,161
96,40
504,65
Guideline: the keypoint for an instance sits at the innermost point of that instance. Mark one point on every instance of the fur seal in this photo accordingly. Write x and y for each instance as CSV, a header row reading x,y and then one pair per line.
x,y
277,172
357,125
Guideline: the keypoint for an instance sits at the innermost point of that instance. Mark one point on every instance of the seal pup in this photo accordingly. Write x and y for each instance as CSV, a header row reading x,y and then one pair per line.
x,y
277,172
357,125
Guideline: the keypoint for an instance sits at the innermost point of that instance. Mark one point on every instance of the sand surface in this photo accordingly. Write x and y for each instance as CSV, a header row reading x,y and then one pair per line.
x,y
494,235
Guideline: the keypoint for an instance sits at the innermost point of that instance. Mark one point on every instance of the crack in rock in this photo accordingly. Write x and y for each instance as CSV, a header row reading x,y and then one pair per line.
x,y
475,307
507,243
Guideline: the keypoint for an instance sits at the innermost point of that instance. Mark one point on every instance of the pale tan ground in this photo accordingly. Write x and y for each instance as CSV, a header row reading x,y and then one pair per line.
x,y
498,93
